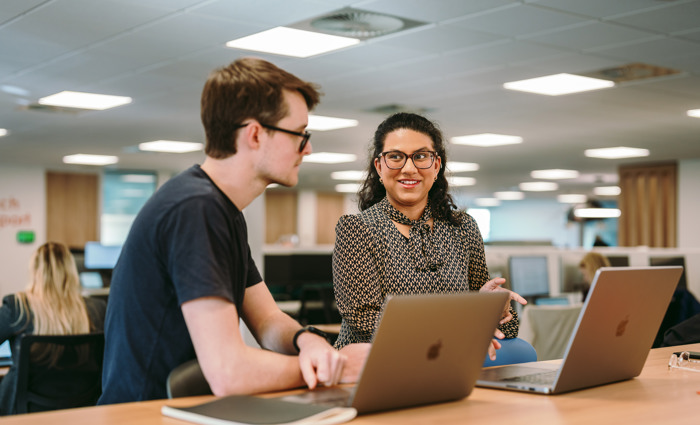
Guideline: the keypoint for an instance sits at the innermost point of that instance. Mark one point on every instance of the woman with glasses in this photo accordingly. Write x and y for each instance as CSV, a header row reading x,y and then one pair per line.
x,y
409,237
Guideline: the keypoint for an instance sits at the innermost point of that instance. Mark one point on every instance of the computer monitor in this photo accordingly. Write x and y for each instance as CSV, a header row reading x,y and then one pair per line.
x,y
671,261
98,256
618,260
529,275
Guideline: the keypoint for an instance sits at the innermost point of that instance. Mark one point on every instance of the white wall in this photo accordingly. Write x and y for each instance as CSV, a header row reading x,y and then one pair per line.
x,y
22,207
688,203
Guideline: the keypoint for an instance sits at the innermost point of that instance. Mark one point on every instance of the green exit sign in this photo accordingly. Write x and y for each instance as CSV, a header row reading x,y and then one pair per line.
x,y
25,236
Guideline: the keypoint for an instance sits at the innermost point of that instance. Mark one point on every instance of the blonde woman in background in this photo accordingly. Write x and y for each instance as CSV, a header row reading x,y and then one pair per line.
x,y
590,263
51,305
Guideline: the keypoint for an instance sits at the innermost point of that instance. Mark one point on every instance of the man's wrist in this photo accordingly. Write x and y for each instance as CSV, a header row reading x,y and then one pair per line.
x,y
309,329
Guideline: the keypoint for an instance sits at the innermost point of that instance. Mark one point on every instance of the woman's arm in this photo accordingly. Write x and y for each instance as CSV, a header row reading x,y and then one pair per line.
x,y
356,281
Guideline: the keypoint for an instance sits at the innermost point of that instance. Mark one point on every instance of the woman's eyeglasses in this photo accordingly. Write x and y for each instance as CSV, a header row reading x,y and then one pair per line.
x,y
397,159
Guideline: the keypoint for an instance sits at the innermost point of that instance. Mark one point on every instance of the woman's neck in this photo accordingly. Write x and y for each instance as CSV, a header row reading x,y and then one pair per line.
x,y
412,212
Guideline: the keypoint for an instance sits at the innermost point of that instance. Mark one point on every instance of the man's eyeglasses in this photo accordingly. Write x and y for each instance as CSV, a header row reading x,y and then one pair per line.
x,y
305,136
397,159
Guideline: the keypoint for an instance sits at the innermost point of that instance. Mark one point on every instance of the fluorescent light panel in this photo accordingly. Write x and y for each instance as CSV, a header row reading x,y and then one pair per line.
x,y
538,186
461,181
349,175
487,202
694,113
616,152
459,167
558,84
3,132
572,198
321,123
292,42
72,99
509,195
330,158
607,190
347,187
487,140
597,212
86,159
170,146
554,174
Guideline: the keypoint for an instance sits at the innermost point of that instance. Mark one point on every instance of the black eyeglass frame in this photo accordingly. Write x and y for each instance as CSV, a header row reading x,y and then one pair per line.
x,y
305,136
434,154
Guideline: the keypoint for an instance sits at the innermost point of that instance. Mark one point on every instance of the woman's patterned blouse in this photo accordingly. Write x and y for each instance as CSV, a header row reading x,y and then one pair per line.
x,y
372,259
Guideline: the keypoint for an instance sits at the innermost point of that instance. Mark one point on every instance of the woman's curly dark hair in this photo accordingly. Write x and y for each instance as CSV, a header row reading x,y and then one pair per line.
x,y
372,191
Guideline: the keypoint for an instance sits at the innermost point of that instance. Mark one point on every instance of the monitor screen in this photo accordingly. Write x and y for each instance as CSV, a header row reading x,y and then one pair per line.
x,y
618,260
529,275
671,261
98,256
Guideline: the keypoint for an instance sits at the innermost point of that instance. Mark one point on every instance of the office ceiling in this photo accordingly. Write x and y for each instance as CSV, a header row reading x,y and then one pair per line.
x,y
159,52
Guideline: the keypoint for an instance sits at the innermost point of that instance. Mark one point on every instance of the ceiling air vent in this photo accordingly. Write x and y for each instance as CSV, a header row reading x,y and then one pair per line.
x,y
357,23
633,72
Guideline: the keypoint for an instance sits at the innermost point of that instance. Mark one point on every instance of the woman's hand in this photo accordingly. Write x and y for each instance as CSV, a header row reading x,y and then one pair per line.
x,y
494,285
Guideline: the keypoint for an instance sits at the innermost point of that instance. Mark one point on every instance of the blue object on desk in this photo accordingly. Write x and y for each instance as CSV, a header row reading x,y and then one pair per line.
x,y
513,350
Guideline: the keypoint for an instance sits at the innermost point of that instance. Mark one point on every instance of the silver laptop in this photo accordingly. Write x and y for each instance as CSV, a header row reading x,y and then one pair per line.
x,y
427,349
611,339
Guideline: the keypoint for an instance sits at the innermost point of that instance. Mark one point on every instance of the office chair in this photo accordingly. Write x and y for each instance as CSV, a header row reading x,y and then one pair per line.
x,y
74,379
513,350
187,380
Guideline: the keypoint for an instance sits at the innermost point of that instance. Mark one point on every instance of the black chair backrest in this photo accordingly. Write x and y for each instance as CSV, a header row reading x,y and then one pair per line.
x,y
74,379
187,380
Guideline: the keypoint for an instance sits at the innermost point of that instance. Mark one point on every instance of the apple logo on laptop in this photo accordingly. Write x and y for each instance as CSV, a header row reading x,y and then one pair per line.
x,y
434,350
622,326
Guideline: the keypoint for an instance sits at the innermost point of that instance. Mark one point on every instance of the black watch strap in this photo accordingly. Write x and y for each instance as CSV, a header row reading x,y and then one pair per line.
x,y
311,329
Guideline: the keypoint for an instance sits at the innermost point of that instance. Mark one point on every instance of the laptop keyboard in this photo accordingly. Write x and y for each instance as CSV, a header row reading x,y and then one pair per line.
x,y
542,378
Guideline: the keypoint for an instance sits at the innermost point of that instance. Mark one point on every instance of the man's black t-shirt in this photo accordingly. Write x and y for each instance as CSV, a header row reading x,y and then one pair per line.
x,y
189,241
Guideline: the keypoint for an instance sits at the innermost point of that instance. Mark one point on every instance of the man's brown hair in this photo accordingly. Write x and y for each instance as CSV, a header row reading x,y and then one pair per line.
x,y
247,88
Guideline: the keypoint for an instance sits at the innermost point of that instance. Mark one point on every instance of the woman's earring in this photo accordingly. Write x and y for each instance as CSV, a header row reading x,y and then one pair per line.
x,y
380,181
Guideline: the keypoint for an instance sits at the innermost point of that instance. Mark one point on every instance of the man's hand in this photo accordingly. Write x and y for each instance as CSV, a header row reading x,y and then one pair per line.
x,y
319,362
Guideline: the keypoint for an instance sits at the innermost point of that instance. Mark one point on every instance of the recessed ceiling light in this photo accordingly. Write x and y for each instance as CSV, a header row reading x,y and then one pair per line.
x,y
694,113
572,198
509,195
321,123
487,140
558,84
80,100
487,202
597,212
292,42
170,146
349,175
86,159
616,153
607,190
538,186
459,167
138,178
554,174
347,187
330,157
3,132
461,181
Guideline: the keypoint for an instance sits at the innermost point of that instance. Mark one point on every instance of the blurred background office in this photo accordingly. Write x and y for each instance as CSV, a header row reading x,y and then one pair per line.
x,y
534,169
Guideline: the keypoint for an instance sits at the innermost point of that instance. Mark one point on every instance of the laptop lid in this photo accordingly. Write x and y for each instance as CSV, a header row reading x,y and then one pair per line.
x,y
427,349
613,335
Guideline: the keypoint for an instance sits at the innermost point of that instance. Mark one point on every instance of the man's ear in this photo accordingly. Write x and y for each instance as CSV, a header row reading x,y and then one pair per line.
x,y
250,135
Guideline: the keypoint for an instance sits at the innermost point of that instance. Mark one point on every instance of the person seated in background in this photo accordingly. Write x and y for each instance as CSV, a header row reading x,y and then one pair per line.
x,y
409,237
51,305
590,263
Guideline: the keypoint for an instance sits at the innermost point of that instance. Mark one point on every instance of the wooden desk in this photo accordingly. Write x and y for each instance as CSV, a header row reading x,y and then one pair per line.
x,y
658,395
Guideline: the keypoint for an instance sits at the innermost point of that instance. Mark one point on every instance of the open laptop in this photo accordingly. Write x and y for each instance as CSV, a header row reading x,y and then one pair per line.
x,y
611,339
5,354
427,349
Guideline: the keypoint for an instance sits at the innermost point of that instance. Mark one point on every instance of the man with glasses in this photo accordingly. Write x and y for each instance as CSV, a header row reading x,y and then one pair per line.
x,y
185,276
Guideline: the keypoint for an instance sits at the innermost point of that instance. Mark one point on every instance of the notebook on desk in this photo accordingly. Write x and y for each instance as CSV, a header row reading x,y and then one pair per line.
x,y
427,349
611,339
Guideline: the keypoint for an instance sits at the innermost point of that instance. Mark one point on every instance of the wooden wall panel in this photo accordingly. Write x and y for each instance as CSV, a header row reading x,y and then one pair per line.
x,y
280,215
72,213
649,204
329,208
